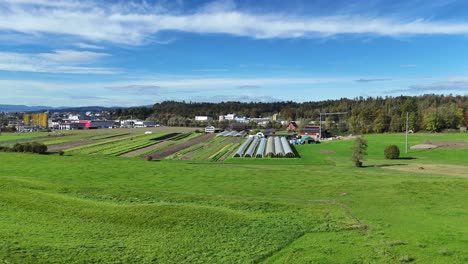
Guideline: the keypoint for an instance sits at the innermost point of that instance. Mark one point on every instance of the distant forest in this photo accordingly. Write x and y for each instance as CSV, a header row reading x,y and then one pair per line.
x,y
364,115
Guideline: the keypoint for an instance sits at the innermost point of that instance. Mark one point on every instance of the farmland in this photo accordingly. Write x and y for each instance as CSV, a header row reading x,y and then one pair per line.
x,y
315,208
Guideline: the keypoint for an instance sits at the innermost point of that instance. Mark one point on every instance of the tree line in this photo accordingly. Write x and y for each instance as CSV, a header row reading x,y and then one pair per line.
x,y
363,115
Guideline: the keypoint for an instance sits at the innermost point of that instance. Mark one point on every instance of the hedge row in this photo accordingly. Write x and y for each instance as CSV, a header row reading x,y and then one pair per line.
x,y
33,147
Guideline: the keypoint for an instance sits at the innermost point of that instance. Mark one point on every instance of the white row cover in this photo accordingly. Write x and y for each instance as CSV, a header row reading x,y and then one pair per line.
x,y
271,147
243,147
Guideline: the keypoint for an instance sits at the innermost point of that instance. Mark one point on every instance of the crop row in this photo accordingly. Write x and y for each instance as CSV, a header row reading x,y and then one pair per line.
x,y
109,136
172,141
203,151
116,147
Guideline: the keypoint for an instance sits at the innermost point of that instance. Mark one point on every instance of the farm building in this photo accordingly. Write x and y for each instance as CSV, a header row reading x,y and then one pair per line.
x,y
203,118
292,126
93,124
306,139
71,126
313,131
210,129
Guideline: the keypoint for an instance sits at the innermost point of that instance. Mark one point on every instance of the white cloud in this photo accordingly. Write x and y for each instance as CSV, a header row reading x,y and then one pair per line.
x,y
61,61
88,46
72,56
132,24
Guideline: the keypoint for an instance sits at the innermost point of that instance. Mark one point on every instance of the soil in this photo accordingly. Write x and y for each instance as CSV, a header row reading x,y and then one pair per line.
x,y
449,144
423,146
436,169
144,150
175,148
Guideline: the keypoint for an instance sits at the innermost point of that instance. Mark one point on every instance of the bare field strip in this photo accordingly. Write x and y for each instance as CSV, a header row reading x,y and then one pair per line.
x,y
434,169
178,147
145,149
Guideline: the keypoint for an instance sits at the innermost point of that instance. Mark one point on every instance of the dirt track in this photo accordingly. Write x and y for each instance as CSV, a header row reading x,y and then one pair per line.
x,y
175,148
145,149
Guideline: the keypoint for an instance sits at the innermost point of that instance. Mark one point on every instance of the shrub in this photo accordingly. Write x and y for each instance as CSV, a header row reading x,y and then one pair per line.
x,y
148,157
359,151
61,152
18,147
5,149
27,147
38,148
392,152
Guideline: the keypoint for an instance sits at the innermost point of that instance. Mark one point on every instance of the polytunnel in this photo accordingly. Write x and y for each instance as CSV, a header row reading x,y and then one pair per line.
x,y
231,134
287,148
243,147
250,151
261,148
279,152
270,148
224,133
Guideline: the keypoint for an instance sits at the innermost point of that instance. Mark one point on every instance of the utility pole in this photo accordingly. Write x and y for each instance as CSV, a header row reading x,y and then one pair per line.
x,y
406,140
320,124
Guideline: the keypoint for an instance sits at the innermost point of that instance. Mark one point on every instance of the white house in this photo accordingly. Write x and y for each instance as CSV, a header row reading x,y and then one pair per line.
x,y
230,116
203,118
210,129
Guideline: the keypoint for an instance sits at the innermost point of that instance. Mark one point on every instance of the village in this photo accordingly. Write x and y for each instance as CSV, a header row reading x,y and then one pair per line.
x,y
230,124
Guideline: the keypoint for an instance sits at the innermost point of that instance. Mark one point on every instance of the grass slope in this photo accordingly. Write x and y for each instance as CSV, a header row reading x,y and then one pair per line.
x,y
319,210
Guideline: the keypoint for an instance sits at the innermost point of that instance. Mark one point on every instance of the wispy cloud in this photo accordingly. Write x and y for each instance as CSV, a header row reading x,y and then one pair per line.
x,y
236,98
88,46
372,80
122,22
72,56
444,86
139,89
249,87
60,61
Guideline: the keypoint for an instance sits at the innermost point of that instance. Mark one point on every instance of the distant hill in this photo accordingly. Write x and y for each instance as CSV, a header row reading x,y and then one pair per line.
x,y
22,108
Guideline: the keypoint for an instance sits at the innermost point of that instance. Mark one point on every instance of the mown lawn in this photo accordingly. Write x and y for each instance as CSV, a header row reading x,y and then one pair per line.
x,y
316,209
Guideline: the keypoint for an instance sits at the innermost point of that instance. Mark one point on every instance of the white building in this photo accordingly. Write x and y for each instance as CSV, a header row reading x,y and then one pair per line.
x,y
203,118
210,129
230,116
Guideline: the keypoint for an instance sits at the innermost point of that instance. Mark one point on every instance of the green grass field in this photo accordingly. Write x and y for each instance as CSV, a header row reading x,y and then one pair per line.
x,y
314,209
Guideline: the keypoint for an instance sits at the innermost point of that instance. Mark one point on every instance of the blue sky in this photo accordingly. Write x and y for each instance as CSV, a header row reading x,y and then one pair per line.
x,y
129,53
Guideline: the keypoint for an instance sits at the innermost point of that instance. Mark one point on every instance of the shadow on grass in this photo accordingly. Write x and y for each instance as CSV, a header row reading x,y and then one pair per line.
x,y
295,151
406,158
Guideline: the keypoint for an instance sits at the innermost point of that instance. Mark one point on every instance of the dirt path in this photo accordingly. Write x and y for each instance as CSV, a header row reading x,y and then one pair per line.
x,y
145,149
175,148
433,169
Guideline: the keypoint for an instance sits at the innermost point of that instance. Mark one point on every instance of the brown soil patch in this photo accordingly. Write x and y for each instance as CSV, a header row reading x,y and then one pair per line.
x,y
448,144
433,169
175,148
144,150
325,151
423,146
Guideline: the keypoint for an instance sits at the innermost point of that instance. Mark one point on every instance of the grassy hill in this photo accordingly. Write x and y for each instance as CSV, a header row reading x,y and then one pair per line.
x,y
316,209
